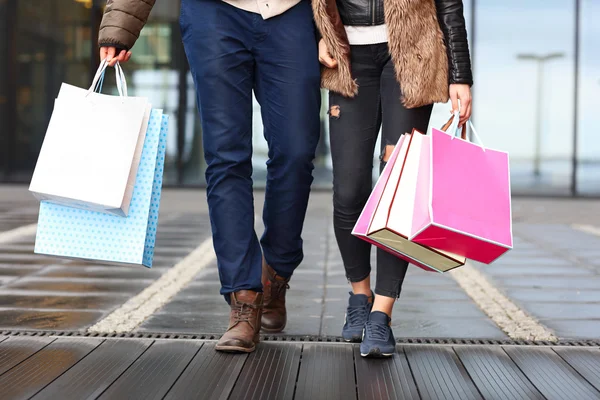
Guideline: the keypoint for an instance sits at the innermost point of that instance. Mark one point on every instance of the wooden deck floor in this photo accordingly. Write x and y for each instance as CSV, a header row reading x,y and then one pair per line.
x,y
99,368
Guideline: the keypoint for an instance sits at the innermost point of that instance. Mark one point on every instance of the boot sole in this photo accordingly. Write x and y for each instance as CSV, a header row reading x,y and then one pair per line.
x,y
271,330
234,349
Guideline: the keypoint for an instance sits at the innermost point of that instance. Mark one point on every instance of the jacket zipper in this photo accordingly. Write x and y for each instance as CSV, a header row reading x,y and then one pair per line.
x,y
373,12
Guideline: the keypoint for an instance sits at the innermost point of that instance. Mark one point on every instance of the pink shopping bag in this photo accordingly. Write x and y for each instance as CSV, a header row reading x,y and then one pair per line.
x,y
386,219
463,202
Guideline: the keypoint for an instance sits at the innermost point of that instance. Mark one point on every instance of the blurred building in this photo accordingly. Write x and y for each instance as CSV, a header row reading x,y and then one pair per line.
x,y
537,87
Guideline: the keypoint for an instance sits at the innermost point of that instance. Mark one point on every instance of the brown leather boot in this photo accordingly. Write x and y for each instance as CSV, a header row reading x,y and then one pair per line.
x,y
274,315
244,323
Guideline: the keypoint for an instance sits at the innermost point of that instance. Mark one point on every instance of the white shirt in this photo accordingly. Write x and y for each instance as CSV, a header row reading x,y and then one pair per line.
x,y
266,8
361,35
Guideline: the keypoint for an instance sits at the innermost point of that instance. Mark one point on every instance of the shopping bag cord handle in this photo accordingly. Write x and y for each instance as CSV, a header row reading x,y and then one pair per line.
x,y
472,128
448,124
479,142
451,127
121,78
99,79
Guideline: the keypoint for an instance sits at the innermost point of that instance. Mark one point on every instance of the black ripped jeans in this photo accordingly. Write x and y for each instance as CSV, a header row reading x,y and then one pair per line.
x,y
354,127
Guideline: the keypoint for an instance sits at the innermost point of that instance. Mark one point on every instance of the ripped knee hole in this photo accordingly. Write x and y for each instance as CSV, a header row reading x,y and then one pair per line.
x,y
334,111
387,152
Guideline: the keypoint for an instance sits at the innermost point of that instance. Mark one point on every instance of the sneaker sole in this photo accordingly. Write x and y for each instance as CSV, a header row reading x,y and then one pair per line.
x,y
376,353
357,339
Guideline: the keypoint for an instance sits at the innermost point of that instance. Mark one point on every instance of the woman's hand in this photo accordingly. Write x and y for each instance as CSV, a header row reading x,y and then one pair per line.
x,y
462,93
110,53
325,57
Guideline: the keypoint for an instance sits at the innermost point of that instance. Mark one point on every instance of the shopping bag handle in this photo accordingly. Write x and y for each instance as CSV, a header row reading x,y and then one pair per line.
x,y
451,128
121,79
474,132
99,79
448,124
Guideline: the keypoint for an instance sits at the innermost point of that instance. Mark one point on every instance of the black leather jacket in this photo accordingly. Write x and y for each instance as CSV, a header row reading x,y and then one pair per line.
x,y
450,17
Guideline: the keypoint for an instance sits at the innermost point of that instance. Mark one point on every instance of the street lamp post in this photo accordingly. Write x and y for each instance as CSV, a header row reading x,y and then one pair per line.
x,y
540,60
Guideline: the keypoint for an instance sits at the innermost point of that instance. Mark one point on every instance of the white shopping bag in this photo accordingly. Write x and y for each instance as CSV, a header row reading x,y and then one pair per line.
x,y
73,233
92,149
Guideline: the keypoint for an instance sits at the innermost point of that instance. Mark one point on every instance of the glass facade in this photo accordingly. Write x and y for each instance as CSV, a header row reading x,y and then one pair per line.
x,y
536,93
44,46
524,93
588,114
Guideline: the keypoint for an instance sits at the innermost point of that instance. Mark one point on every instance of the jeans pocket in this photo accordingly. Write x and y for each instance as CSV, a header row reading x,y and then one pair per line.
x,y
182,15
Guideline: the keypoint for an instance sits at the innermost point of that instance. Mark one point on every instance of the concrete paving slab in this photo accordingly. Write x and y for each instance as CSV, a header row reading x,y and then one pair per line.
x,y
62,320
569,329
97,272
529,270
549,282
73,302
555,295
575,311
80,285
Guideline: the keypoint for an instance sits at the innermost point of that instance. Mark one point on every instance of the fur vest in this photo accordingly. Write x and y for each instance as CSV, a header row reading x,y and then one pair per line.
x,y
416,45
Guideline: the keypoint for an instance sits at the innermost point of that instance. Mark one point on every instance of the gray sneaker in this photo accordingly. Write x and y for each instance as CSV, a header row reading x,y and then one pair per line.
x,y
357,315
378,339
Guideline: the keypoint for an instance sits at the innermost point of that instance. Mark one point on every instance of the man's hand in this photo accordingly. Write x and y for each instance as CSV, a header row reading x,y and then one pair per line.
x,y
324,56
462,93
110,54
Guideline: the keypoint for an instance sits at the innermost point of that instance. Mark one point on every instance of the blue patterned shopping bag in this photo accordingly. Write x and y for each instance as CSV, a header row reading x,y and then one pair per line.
x,y
75,233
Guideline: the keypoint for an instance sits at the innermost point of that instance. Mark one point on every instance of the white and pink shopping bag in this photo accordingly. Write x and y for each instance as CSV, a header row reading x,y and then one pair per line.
x,y
463,200
387,218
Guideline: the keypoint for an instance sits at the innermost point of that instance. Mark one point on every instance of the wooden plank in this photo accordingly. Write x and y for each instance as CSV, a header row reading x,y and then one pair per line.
x,y
211,373
269,373
439,373
326,372
495,374
36,372
18,348
584,361
92,375
153,374
551,375
390,378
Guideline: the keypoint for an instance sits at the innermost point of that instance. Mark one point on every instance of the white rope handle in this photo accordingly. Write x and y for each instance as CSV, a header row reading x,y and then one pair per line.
x,y
120,77
457,132
453,128
121,81
472,128
99,73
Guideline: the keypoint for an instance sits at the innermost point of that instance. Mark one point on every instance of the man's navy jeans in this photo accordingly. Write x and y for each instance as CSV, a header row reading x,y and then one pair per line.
x,y
232,52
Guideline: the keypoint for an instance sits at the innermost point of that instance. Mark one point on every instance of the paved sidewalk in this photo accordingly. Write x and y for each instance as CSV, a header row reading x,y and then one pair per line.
x,y
551,276
554,274
459,333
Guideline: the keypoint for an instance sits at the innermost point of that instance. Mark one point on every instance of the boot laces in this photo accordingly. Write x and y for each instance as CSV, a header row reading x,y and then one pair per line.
x,y
243,312
278,287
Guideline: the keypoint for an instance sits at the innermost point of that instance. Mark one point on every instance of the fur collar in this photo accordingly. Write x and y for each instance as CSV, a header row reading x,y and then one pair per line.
x,y
416,46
